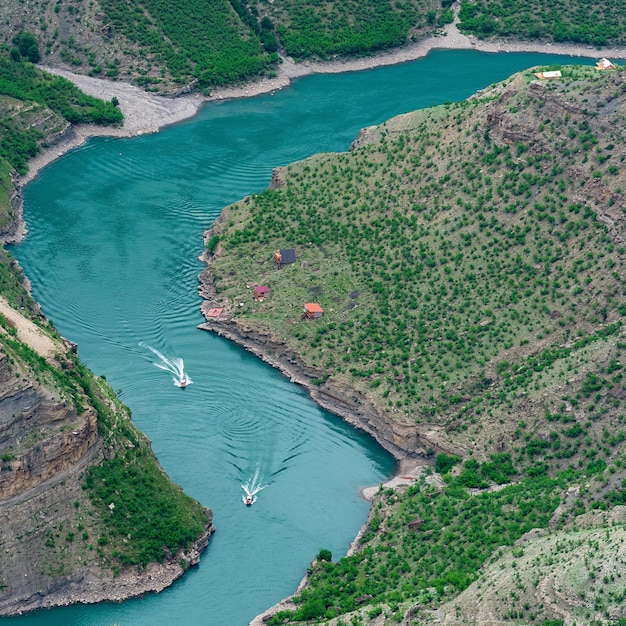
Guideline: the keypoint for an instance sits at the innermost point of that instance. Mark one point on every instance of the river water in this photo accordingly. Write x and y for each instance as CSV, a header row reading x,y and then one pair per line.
x,y
114,233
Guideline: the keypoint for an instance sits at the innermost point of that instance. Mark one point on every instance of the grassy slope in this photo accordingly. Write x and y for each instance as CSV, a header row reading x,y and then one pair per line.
x,y
314,29
167,45
576,573
469,260
34,104
476,260
580,21
160,45
152,518
198,40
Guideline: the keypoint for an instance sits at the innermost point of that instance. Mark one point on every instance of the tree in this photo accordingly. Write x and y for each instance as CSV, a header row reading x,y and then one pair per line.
x,y
27,46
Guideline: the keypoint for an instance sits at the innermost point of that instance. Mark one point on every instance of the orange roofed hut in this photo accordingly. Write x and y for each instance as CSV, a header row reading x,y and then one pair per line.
x,y
313,311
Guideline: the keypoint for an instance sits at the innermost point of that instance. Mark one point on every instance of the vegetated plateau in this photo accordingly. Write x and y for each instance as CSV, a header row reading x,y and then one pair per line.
x,y
469,260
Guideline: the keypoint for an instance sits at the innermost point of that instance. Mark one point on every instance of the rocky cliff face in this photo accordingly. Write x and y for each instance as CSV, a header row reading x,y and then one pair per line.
x,y
41,436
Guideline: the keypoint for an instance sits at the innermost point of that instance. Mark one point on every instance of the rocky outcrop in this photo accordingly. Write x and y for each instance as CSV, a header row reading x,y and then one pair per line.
x,y
278,178
13,231
41,436
45,582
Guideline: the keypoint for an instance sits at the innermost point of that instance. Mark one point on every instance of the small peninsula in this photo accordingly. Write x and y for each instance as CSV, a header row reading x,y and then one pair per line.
x,y
467,264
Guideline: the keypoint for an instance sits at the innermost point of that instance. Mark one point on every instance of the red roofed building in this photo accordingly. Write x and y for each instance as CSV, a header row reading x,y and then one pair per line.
x,y
261,292
313,311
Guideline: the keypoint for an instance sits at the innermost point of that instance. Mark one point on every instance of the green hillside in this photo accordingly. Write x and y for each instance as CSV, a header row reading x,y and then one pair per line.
x,y
472,241
324,30
204,40
469,263
174,46
579,21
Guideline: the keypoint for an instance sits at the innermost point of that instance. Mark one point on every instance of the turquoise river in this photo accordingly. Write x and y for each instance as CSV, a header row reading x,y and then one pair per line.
x,y
114,235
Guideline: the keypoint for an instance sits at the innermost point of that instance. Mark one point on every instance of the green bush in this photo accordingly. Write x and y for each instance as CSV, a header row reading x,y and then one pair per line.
x,y
444,463
27,46
148,510
324,555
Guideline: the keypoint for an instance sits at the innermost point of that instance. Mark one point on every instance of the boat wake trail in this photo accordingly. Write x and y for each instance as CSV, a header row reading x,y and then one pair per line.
x,y
252,487
174,366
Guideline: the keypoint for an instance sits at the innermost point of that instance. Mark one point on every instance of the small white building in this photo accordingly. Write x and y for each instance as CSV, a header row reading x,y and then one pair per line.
x,y
548,75
605,64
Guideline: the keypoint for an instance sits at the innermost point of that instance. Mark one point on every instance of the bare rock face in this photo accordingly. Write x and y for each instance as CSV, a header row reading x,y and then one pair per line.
x,y
40,436
45,446
278,178
13,231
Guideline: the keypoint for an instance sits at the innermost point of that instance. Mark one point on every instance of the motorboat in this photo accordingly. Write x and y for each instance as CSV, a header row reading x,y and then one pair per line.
x,y
248,500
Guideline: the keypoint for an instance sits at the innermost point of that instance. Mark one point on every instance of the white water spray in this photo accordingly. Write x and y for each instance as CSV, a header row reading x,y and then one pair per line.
x,y
252,487
175,366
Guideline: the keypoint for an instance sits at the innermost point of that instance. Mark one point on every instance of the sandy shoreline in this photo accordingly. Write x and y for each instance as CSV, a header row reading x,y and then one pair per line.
x,y
147,113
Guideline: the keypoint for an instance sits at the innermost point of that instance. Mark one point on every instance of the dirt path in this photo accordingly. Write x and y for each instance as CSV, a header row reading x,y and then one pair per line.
x,y
29,333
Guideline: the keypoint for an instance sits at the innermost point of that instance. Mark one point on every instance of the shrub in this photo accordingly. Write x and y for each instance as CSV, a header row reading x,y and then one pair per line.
x,y
445,463
324,555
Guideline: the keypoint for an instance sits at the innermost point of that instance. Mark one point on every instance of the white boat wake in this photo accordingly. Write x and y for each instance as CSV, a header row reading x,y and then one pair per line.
x,y
175,366
252,487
